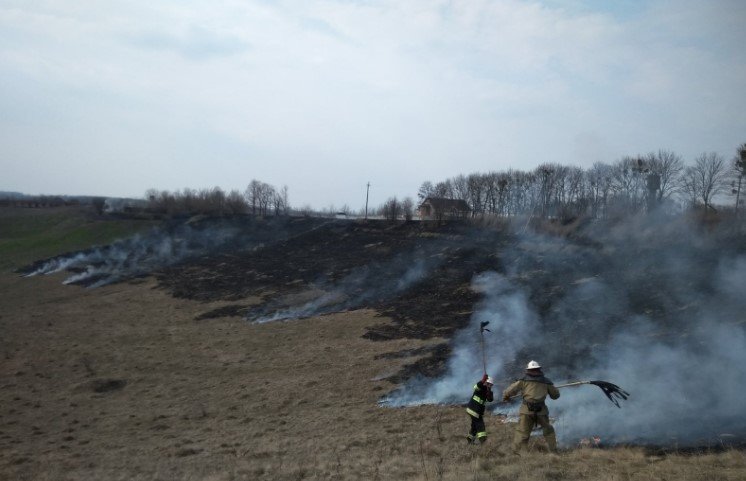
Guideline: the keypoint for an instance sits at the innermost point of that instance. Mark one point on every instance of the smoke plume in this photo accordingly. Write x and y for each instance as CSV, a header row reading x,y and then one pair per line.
x,y
136,255
654,305
511,320
370,283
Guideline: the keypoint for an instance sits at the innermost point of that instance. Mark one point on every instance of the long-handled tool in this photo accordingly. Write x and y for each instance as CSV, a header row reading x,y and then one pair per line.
x,y
482,328
612,391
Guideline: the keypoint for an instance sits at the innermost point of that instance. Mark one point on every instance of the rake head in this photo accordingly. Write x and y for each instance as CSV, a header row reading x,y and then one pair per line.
x,y
612,391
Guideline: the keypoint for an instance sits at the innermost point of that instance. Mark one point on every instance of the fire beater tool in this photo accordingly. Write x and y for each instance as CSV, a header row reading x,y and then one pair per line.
x,y
482,328
612,391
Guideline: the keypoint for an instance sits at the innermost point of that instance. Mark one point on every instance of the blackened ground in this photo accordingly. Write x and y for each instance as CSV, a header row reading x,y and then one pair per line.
x,y
436,305
288,262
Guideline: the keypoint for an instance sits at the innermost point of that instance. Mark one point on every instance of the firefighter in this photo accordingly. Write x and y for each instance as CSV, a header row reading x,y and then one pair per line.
x,y
482,394
534,388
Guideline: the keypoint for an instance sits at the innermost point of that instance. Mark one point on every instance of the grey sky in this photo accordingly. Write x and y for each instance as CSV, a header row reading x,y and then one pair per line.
x,y
115,97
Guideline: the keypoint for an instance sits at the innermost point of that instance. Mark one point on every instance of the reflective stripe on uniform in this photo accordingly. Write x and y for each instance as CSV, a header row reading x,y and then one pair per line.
x,y
478,399
482,434
472,412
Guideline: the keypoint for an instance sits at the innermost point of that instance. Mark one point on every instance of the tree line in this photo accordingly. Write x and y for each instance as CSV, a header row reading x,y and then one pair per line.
x,y
632,184
259,198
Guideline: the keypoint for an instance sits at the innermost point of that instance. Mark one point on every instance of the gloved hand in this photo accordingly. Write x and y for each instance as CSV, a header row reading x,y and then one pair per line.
x,y
484,378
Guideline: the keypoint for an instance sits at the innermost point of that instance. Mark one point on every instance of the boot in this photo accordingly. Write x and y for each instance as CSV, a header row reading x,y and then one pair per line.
x,y
551,440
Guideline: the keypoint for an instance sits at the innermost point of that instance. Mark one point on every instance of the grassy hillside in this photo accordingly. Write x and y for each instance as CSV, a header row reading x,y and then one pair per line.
x,y
164,378
122,382
30,234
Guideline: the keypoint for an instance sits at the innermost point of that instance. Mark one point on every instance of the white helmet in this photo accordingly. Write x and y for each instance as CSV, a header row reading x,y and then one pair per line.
x,y
490,381
533,365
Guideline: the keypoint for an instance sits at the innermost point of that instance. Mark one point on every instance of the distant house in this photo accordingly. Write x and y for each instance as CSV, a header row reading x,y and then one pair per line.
x,y
435,208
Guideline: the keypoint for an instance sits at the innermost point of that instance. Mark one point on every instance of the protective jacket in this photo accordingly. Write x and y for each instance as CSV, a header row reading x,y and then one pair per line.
x,y
534,390
482,394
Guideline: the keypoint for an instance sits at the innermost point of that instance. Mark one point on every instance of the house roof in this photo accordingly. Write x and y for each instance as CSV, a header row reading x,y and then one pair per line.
x,y
442,204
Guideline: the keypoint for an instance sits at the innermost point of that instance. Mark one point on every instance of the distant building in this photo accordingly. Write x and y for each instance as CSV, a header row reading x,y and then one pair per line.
x,y
435,208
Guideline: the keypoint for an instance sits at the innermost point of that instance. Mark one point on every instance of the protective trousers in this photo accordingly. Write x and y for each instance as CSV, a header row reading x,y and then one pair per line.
x,y
478,431
526,425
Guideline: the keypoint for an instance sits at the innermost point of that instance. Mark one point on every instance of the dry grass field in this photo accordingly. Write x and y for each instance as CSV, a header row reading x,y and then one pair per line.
x,y
122,383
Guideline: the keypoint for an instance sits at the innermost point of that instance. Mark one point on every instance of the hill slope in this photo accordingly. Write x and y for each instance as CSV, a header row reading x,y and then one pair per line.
x,y
148,378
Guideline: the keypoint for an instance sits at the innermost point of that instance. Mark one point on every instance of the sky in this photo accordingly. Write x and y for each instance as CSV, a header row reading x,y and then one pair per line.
x,y
114,98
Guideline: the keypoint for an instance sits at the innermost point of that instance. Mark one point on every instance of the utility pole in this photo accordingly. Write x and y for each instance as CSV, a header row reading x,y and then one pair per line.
x,y
366,201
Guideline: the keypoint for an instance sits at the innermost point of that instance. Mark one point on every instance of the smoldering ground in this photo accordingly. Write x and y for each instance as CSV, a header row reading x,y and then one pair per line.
x,y
134,256
652,304
373,282
167,245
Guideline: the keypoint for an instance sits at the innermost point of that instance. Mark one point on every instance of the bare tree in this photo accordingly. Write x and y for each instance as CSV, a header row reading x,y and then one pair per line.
x,y
253,195
391,209
476,188
628,185
668,166
705,179
459,188
599,177
443,190
285,201
278,203
545,174
266,197
407,207
261,196
425,191
739,170
235,203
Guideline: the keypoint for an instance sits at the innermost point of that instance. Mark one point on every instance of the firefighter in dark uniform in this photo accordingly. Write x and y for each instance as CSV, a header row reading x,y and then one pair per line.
x,y
482,394
534,388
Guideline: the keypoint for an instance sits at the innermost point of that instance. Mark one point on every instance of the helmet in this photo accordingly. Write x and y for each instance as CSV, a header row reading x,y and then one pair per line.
x,y
490,380
533,365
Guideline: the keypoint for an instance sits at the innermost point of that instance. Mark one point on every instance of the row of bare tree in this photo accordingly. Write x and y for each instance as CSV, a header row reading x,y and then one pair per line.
x,y
628,185
259,198
659,179
394,209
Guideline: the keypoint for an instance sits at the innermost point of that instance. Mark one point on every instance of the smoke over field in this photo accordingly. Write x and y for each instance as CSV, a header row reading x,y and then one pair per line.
x,y
369,283
654,306
161,247
134,256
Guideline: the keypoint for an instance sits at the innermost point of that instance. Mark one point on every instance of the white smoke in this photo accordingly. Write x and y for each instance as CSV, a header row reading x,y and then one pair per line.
x,y
321,304
136,255
661,316
511,322
689,389
371,282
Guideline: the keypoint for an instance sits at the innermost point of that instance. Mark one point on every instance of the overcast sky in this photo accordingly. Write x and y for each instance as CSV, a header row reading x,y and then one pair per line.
x,y
116,97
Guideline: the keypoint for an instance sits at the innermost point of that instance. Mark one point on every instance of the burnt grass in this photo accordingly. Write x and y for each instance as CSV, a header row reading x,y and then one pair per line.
x,y
362,261
288,262
330,253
